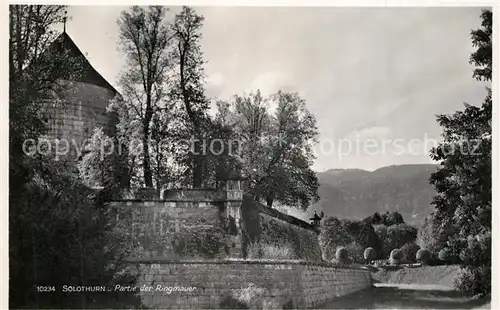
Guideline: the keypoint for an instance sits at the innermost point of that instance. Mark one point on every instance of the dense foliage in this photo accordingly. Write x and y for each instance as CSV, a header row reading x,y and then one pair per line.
x,y
275,147
369,233
342,255
369,254
59,231
200,241
338,232
356,253
423,256
409,251
395,256
463,181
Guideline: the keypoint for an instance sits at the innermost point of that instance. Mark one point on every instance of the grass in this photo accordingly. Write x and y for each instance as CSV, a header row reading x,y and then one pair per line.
x,y
258,250
438,275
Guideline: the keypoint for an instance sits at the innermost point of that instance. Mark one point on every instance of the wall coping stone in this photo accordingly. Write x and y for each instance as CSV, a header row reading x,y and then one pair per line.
x,y
160,260
117,201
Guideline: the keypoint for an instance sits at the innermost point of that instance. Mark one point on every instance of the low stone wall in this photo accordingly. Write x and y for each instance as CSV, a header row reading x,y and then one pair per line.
x,y
220,284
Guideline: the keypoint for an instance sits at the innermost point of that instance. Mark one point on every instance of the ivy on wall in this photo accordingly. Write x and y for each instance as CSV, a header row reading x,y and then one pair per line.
x,y
200,241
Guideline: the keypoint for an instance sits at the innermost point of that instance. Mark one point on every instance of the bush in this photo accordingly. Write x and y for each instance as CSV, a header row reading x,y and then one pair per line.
x,y
355,251
261,250
341,255
396,256
446,255
476,275
473,281
423,256
254,297
409,251
369,254
200,241
49,249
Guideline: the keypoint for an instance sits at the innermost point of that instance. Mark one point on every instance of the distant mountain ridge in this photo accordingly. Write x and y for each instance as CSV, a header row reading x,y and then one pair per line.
x,y
357,193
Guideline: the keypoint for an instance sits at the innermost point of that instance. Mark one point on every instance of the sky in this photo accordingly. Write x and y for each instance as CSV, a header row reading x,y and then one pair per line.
x,y
374,78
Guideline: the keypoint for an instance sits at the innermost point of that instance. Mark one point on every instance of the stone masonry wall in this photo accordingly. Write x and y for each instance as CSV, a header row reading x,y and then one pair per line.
x,y
81,108
265,225
210,284
160,227
170,229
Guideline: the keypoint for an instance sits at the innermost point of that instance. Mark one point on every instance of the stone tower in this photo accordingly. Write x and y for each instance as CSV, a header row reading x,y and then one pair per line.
x,y
80,105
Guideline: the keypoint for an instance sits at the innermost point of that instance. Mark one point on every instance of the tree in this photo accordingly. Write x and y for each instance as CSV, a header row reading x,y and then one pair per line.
x,y
395,236
356,252
103,165
432,235
276,148
145,38
332,235
249,116
463,181
446,255
65,235
59,231
188,86
288,177
37,67
387,218
409,251
482,57
340,232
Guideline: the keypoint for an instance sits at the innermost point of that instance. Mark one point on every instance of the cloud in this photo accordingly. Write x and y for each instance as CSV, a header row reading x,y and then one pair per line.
x,y
270,82
379,133
215,84
216,79
387,75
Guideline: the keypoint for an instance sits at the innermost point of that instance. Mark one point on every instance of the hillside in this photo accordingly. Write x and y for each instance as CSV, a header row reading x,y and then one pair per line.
x,y
356,193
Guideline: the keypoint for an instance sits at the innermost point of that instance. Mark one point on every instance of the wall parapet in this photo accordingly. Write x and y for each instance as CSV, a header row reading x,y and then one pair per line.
x,y
284,217
159,260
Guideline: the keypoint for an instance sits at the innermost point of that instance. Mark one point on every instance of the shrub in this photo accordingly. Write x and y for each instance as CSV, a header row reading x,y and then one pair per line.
x,y
50,246
476,275
355,252
261,250
423,256
252,297
445,255
254,250
396,256
474,280
369,254
478,250
341,255
277,251
409,251
395,236
200,241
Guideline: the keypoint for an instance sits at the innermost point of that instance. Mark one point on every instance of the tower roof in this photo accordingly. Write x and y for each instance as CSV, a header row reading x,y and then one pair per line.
x,y
89,75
